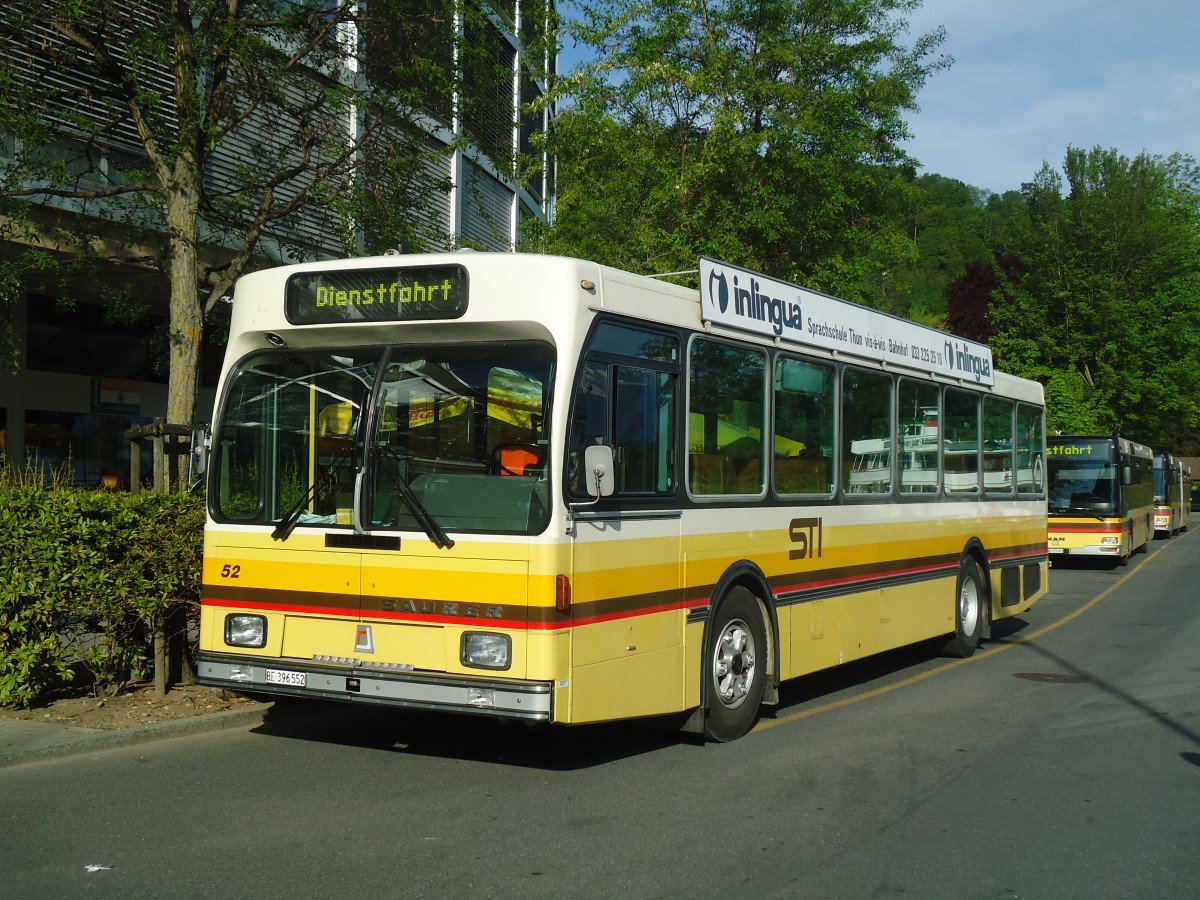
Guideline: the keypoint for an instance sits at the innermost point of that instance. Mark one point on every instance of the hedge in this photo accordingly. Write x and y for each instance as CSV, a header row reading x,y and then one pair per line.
x,y
86,576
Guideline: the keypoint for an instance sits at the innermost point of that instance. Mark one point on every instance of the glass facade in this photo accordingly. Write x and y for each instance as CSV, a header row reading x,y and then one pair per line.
x,y
86,377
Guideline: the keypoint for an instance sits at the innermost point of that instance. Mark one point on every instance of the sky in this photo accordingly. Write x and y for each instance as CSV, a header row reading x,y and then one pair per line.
x,y
1032,77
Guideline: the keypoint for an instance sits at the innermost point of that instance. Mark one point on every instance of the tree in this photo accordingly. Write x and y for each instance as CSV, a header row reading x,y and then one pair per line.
x,y
200,137
764,133
1107,303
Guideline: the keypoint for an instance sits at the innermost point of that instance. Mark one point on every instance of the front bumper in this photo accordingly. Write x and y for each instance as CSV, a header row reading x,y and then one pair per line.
x,y
351,682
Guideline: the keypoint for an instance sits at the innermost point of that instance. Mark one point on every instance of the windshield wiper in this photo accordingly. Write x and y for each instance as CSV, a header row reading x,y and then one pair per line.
x,y
436,534
287,524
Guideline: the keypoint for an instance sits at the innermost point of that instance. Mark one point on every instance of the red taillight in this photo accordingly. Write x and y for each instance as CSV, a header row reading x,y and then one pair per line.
x,y
562,594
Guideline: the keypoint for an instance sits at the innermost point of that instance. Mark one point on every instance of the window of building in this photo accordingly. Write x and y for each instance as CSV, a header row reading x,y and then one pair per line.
x,y
85,449
411,47
81,341
487,98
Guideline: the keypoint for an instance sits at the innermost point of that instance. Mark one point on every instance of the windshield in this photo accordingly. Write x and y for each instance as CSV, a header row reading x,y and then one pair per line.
x,y
1162,482
437,439
1087,486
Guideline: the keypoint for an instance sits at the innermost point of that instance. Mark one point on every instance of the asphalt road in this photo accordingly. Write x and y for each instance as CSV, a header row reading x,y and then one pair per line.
x,y
1062,761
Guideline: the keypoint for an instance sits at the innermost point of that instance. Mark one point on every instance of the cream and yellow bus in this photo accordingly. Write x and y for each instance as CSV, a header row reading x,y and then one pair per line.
x,y
1172,494
1101,499
543,489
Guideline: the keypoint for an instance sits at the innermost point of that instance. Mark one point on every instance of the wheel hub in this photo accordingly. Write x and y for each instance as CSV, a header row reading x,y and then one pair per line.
x,y
733,664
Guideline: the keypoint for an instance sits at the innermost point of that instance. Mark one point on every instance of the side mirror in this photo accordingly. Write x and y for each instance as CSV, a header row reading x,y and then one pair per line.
x,y
1126,475
198,460
598,470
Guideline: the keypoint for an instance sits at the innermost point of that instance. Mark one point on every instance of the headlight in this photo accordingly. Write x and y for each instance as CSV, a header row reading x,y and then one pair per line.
x,y
1112,539
243,630
486,650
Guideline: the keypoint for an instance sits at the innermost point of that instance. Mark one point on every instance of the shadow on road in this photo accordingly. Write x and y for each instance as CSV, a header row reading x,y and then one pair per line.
x,y
575,747
469,739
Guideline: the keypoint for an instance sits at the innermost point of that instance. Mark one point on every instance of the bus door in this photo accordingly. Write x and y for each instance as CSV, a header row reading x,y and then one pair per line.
x,y
627,601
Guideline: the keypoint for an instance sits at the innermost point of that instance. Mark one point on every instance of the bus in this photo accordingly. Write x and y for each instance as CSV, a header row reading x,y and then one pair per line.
x,y
543,489
1185,491
1172,490
1101,501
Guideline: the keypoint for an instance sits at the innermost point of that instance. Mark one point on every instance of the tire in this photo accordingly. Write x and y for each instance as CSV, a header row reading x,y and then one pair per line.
x,y
969,599
735,666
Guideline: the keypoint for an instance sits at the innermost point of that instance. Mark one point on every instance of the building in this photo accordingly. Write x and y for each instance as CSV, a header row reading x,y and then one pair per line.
x,y
84,379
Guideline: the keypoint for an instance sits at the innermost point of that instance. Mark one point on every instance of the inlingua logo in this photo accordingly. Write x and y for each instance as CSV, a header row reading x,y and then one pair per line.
x,y
719,289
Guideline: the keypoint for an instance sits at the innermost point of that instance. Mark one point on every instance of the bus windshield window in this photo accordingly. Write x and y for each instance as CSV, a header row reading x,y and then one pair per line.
x,y
288,442
463,431
463,428
1084,486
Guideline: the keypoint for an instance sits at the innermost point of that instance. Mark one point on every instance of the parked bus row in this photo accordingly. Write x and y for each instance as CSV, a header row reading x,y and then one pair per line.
x,y
1108,496
543,489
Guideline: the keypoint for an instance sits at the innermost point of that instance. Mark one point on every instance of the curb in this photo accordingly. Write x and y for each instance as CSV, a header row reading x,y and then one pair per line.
x,y
91,740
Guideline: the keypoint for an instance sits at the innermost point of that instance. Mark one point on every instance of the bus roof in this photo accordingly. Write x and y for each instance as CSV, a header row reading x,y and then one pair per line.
x,y
552,291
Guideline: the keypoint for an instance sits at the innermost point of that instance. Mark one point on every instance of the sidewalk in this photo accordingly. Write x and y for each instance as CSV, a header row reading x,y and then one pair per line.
x,y
24,740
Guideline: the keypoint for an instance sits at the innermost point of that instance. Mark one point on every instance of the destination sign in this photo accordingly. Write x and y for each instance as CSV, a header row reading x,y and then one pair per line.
x,y
376,295
743,299
1101,450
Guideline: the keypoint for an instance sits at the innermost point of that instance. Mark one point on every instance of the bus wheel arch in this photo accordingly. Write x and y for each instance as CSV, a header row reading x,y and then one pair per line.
x,y
972,602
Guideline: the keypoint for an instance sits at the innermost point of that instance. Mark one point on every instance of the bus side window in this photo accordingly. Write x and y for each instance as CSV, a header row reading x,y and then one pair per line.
x,y
803,439
644,430
960,442
589,414
627,398
728,389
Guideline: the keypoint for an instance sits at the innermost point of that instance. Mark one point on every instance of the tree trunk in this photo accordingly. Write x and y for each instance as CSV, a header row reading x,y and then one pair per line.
x,y
186,324
160,656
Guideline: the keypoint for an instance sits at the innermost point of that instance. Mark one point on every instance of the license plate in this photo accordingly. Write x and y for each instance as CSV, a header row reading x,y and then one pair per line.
x,y
293,679
1062,551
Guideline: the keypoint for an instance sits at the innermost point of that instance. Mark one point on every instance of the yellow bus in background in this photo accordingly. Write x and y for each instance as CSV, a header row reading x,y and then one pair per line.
x,y
542,489
1172,494
1101,499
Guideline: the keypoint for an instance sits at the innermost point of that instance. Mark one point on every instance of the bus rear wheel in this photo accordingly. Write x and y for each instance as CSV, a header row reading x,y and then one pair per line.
x,y
735,667
968,610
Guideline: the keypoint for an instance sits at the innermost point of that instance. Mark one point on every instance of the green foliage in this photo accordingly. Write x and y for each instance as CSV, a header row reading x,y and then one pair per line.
x,y
134,120
1071,406
764,134
1106,305
87,572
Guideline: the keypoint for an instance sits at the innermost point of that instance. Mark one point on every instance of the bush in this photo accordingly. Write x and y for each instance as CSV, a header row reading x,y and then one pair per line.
x,y
85,576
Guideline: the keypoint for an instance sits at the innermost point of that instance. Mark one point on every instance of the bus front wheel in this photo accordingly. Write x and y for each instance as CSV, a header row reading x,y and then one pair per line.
x,y
735,666
968,610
